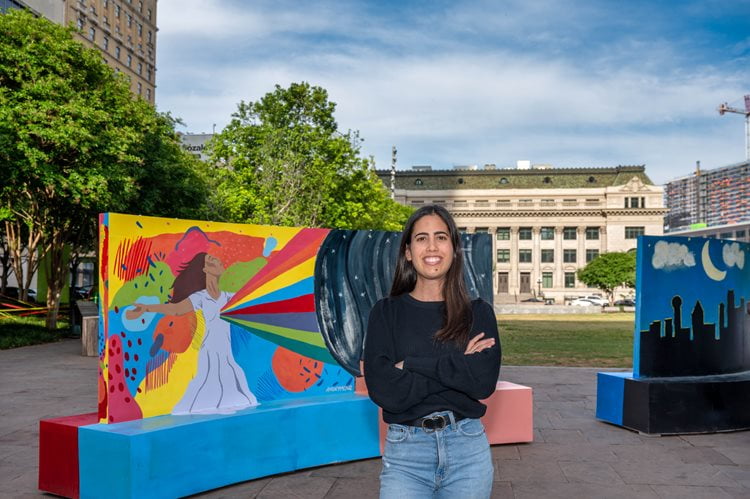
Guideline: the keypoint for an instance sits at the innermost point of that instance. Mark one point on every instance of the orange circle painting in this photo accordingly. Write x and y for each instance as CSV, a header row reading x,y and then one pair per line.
x,y
294,371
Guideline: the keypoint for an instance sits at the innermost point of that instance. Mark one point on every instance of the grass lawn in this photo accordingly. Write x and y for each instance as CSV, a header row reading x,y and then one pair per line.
x,y
23,331
586,340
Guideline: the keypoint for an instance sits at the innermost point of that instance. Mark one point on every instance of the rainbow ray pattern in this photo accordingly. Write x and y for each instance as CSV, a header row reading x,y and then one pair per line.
x,y
278,303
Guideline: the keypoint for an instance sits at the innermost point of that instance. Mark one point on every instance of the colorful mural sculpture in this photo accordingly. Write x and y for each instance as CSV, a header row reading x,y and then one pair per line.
x,y
691,360
204,317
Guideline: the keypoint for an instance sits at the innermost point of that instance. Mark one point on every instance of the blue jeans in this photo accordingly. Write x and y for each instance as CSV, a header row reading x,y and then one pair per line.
x,y
451,462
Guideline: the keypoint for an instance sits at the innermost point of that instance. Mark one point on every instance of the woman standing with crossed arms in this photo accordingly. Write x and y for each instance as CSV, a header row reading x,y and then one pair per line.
x,y
430,355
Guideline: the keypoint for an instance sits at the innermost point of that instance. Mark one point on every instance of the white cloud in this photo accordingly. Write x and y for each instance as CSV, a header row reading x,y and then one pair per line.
x,y
733,255
477,83
670,256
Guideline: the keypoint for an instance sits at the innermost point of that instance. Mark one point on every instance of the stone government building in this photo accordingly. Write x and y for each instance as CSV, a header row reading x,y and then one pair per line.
x,y
546,222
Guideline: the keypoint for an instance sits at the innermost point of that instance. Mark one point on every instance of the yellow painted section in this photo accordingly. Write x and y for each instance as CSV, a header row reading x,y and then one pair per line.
x,y
124,227
161,400
302,271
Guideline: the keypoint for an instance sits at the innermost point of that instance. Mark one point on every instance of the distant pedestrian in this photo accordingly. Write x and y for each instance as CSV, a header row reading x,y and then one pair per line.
x,y
431,354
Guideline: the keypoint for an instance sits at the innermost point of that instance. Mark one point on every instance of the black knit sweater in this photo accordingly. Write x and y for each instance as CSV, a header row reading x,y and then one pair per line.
x,y
436,376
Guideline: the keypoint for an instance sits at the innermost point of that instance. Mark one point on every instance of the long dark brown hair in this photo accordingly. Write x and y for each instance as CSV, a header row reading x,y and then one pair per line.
x,y
191,278
457,311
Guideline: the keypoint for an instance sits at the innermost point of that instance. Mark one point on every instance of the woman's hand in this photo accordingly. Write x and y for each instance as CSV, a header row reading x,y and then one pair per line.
x,y
477,344
136,312
399,365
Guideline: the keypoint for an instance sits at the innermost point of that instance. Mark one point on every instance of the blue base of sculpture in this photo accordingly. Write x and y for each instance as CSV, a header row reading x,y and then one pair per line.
x,y
173,456
685,404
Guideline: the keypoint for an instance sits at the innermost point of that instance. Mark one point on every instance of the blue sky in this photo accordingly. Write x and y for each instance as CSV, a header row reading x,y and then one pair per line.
x,y
571,84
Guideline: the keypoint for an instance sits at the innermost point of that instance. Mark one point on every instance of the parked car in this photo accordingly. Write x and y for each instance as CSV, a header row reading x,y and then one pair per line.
x,y
596,300
627,302
534,299
582,302
83,292
13,292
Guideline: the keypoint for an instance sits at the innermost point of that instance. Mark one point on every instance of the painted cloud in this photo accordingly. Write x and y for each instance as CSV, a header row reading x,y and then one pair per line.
x,y
671,256
733,255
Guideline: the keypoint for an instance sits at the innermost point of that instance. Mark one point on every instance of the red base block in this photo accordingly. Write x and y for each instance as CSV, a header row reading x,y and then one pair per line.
x,y
58,453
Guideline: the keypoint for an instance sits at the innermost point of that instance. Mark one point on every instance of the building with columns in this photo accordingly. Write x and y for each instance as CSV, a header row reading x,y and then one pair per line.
x,y
545,222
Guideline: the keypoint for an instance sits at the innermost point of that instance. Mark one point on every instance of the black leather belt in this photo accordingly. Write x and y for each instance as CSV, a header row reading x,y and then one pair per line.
x,y
433,423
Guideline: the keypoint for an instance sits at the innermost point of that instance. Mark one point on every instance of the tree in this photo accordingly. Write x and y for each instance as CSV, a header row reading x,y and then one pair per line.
x,y
76,142
608,271
288,164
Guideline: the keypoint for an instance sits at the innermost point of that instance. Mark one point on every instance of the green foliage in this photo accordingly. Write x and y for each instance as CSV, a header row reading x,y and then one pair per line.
x,y
288,164
18,332
608,271
75,142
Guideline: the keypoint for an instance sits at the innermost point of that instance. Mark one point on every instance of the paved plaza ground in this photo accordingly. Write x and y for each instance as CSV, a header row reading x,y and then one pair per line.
x,y
573,455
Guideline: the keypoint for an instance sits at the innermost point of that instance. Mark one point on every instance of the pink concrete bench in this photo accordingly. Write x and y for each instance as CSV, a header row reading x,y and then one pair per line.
x,y
509,418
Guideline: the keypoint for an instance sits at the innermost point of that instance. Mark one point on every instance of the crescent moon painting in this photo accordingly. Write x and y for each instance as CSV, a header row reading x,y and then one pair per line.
x,y
711,270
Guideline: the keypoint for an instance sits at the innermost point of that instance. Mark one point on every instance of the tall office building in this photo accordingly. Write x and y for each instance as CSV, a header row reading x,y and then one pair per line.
x,y
124,31
546,223
711,197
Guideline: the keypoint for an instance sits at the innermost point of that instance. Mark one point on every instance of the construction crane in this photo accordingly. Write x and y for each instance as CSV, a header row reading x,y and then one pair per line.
x,y
726,108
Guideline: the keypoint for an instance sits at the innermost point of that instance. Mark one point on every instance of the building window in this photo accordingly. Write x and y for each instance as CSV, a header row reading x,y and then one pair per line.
x,y
503,234
417,202
548,256
461,229
460,203
149,37
117,11
140,29
739,234
503,180
140,88
525,202
591,254
524,256
117,53
592,233
570,279
546,280
148,15
503,256
129,20
481,230
105,43
570,202
634,232
570,233
140,68
569,256
92,34
634,202
548,202
105,4
524,233
130,60
418,181
106,20
725,235
148,73
79,23
140,6
548,233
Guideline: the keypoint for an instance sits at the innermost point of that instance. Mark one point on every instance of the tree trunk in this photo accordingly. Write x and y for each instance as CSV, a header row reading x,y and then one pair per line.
x,y
56,272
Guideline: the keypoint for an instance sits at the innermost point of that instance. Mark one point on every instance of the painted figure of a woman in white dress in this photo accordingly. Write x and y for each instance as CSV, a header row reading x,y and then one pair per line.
x,y
219,386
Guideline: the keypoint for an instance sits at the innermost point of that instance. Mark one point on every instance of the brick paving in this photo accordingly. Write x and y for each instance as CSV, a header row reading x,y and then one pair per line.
x,y
573,455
